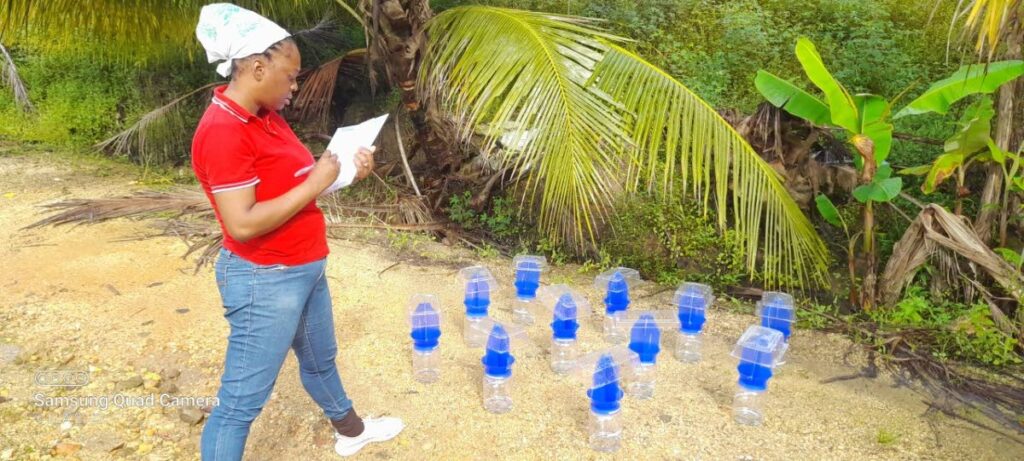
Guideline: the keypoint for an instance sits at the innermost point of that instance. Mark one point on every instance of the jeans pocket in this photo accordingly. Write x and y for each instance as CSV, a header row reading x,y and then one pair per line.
x,y
270,267
220,272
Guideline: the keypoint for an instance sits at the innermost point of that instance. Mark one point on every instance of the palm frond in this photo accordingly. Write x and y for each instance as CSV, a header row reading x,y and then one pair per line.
x,y
137,141
524,74
9,76
313,103
991,21
586,119
203,238
139,29
681,138
352,12
141,204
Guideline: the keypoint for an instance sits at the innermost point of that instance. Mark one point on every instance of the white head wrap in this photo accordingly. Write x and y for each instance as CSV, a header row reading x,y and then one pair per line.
x,y
229,32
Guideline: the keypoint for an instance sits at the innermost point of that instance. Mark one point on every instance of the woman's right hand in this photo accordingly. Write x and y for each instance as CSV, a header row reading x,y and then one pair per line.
x,y
325,171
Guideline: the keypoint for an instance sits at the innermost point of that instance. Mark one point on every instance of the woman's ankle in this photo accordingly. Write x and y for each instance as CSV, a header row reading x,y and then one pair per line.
x,y
351,425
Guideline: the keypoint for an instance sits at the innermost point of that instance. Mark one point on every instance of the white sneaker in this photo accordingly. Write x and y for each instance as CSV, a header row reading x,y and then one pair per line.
x,y
374,430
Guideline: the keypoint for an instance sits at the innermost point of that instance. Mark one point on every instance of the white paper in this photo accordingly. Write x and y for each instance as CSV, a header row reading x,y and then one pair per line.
x,y
346,142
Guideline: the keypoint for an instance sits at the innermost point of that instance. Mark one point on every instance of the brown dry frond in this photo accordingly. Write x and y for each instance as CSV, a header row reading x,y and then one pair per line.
x,y
141,204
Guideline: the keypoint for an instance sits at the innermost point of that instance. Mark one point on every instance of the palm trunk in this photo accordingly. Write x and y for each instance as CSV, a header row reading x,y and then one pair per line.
x,y
990,194
396,32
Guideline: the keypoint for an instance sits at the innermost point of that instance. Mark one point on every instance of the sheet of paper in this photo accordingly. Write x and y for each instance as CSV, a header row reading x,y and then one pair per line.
x,y
346,142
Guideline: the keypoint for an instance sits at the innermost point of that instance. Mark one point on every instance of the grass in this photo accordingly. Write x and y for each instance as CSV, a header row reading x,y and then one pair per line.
x,y
885,437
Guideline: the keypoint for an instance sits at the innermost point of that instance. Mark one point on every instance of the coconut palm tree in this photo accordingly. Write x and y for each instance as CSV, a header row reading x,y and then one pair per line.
x,y
578,120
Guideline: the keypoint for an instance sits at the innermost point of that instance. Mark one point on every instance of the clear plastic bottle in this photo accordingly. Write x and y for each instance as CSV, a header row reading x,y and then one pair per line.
x,y
614,328
605,403
642,385
563,355
564,325
497,361
522,312
605,431
688,347
615,284
497,394
645,340
528,271
425,321
691,301
479,282
747,406
759,350
473,331
426,365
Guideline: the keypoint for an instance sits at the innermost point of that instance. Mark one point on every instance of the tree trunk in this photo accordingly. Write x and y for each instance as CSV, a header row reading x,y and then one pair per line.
x,y
396,32
990,194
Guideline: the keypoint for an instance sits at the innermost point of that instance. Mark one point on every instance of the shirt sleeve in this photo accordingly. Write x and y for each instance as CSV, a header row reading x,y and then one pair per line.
x,y
228,161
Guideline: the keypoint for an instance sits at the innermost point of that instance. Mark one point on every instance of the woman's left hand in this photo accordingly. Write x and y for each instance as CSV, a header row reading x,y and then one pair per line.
x,y
364,162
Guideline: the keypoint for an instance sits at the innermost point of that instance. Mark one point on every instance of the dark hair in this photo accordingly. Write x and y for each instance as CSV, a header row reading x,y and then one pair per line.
x,y
266,54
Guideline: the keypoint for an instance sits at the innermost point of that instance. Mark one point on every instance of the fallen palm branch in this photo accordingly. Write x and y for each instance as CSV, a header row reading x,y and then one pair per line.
x,y
141,204
433,226
187,215
203,239
949,386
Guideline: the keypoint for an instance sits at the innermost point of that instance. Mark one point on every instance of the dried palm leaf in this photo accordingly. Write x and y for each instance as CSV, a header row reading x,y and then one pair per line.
x,y
202,237
313,103
141,204
937,228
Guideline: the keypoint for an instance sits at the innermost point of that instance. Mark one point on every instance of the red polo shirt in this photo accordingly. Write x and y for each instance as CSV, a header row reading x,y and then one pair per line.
x,y
233,149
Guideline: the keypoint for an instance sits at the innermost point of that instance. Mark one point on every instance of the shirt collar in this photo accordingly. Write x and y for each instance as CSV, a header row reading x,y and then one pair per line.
x,y
239,112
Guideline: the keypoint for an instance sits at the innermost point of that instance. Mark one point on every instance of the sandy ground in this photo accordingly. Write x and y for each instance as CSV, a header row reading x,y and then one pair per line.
x,y
90,299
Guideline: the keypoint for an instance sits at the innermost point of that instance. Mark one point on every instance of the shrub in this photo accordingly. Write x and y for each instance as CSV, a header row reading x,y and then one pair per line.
x,y
673,243
962,331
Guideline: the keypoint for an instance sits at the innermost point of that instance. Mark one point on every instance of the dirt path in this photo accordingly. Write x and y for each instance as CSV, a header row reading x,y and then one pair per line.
x,y
90,299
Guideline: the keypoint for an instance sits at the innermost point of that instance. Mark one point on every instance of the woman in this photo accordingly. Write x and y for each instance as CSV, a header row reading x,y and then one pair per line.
x,y
271,271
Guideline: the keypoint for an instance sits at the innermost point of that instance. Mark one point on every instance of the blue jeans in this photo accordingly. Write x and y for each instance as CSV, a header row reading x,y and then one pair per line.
x,y
271,309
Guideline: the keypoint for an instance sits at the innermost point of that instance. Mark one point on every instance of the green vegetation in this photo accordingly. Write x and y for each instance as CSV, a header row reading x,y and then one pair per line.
x,y
886,436
630,161
674,244
501,222
79,100
962,331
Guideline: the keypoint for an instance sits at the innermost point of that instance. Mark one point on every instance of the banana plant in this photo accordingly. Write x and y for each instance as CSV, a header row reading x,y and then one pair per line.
x,y
867,120
967,147
864,117
831,214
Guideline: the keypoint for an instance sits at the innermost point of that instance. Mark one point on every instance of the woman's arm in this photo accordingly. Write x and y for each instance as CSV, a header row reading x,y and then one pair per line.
x,y
245,218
